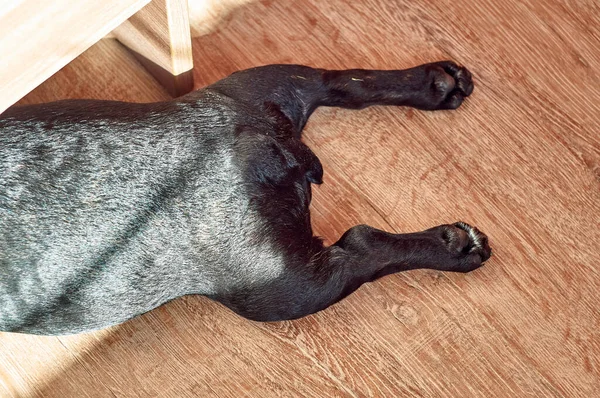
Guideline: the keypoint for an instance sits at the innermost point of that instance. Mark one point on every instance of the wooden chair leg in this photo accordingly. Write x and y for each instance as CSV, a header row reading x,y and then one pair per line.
x,y
159,36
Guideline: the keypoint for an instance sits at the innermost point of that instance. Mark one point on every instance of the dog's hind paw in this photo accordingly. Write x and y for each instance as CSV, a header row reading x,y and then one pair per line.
x,y
466,246
451,84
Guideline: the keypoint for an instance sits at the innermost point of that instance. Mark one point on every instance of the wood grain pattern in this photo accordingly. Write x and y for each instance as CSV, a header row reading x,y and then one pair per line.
x,y
159,34
520,159
40,37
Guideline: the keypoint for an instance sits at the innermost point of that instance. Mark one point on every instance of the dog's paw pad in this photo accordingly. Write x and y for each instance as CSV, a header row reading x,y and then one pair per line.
x,y
468,247
452,82
477,242
464,81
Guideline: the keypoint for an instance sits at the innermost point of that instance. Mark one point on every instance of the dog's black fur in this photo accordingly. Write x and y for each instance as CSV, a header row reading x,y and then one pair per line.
x,y
109,209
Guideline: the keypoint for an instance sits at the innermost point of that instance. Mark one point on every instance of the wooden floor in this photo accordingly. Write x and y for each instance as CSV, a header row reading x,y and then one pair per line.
x,y
520,159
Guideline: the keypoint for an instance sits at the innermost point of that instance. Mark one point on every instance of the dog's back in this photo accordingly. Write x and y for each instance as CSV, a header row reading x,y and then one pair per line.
x,y
100,203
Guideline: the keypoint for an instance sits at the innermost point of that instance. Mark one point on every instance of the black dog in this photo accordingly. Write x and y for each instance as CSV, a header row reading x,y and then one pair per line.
x,y
110,209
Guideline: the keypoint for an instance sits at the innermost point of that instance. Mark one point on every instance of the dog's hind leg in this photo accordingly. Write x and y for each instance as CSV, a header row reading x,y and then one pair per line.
x,y
361,255
297,90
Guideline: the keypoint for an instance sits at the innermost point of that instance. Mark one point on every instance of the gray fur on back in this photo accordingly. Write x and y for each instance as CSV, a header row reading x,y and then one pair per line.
x,y
101,217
